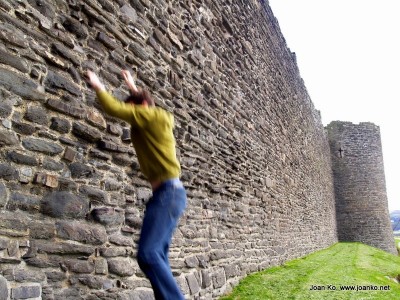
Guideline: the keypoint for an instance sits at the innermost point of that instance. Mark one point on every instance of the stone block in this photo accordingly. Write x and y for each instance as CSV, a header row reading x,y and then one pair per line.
x,y
8,138
20,85
26,292
61,125
22,159
55,81
37,115
43,146
4,293
108,215
63,204
121,266
69,154
95,118
86,132
66,108
81,232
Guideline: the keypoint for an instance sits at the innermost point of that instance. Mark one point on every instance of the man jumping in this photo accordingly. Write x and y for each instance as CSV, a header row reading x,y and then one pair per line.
x,y
154,143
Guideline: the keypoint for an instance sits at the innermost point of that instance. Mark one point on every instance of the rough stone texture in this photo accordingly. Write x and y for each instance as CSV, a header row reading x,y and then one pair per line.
x,y
360,190
255,157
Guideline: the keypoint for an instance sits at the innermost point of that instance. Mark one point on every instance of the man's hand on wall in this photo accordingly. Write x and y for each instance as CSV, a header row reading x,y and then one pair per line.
x,y
129,80
94,81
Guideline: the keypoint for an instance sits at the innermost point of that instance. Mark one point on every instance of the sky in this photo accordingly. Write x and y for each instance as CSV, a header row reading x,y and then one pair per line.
x,y
348,54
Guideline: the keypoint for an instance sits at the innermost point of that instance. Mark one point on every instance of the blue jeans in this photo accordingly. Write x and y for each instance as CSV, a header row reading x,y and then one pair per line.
x,y
160,220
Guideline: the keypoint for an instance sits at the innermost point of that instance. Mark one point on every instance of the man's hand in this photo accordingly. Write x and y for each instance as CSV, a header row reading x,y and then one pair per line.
x,y
129,80
94,81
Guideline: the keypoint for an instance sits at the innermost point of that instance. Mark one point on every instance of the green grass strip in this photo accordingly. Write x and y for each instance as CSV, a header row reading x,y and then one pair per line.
x,y
327,274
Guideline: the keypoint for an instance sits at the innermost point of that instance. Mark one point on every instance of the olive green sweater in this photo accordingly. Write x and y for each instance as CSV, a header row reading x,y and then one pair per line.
x,y
152,136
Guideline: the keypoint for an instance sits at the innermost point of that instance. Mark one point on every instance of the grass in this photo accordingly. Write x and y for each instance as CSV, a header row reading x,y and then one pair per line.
x,y
397,241
343,264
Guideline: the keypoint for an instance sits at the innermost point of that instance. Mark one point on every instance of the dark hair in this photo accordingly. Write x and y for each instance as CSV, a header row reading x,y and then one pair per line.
x,y
140,96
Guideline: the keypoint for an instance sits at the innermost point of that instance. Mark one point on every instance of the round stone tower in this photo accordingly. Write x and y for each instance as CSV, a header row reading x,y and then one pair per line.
x,y
359,181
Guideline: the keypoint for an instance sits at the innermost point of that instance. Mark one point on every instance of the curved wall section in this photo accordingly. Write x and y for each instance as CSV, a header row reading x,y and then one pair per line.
x,y
360,189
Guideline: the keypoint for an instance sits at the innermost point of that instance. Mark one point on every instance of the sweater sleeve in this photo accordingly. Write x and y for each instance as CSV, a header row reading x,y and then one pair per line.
x,y
137,117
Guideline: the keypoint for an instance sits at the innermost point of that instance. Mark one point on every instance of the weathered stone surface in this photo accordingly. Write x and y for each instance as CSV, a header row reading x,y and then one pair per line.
x,y
238,102
55,81
13,61
8,172
20,85
43,146
3,195
81,232
61,125
86,132
64,205
121,266
3,288
23,128
22,159
80,266
23,202
79,170
37,115
108,215
193,284
25,292
8,138
94,194
66,108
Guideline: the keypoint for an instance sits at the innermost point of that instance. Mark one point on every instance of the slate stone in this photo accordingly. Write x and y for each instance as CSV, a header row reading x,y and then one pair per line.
x,y
3,195
37,115
22,159
23,128
14,61
3,289
75,27
42,230
79,170
193,284
139,51
107,41
86,132
56,81
23,202
63,204
5,109
61,125
64,248
25,292
23,275
121,266
94,194
108,215
43,146
66,53
8,138
129,12
66,108
81,232
55,276
52,165
8,172
20,85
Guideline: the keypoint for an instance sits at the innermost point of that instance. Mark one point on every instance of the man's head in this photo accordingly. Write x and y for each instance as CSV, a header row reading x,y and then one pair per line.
x,y
140,97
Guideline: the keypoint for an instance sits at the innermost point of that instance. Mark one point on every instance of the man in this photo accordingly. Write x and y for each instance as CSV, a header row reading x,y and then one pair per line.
x,y
154,143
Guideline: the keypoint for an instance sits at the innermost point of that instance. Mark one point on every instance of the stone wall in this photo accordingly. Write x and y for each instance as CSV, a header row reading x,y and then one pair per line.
x,y
360,188
255,157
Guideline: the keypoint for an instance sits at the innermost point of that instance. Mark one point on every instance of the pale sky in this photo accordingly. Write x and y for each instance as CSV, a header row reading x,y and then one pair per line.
x,y
348,53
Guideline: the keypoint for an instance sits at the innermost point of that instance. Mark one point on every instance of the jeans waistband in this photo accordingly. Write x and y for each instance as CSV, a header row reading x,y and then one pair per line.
x,y
175,182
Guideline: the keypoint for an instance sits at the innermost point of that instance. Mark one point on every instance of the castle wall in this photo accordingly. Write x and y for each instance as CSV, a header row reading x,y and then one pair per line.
x,y
360,189
255,158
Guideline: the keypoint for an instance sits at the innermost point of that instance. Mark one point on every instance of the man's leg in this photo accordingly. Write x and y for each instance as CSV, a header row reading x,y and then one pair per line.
x,y
160,220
